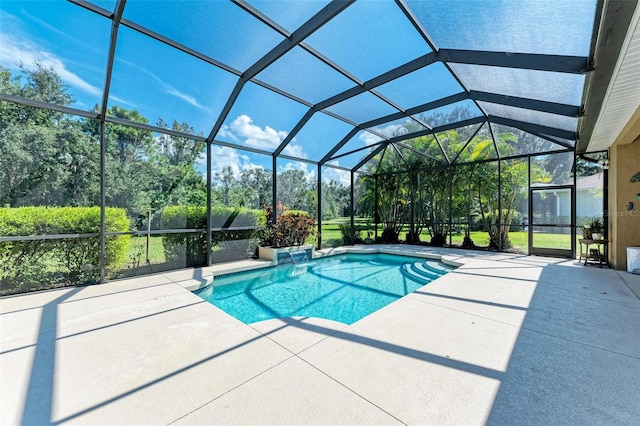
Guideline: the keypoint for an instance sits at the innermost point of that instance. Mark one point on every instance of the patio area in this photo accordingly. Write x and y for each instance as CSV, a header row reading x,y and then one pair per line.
x,y
503,339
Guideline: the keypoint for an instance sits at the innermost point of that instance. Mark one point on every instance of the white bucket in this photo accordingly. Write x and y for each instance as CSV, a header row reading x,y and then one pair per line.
x,y
633,258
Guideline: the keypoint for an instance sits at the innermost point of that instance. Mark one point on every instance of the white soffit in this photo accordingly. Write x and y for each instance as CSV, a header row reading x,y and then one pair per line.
x,y
623,94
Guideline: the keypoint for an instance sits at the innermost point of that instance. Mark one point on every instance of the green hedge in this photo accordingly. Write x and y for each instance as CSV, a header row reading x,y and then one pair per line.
x,y
190,248
37,264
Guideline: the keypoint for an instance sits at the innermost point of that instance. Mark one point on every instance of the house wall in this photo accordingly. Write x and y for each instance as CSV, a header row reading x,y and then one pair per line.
x,y
564,204
624,224
588,203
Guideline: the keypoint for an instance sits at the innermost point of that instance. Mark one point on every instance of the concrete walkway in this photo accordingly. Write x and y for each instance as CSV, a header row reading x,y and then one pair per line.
x,y
504,339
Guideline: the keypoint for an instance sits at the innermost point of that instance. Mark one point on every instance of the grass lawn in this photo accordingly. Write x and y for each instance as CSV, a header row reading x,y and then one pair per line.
x,y
332,237
138,250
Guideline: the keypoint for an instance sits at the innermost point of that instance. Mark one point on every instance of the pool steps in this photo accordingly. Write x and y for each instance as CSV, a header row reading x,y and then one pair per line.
x,y
439,265
426,271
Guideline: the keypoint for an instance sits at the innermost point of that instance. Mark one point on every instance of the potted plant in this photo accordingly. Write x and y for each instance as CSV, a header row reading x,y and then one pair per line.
x,y
586,231
592,229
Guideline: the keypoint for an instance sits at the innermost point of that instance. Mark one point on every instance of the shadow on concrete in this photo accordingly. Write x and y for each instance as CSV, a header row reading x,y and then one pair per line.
x,y
576,359
38,406
577,356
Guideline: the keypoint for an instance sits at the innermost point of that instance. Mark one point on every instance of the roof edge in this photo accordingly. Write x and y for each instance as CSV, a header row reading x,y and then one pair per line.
x,y
615,23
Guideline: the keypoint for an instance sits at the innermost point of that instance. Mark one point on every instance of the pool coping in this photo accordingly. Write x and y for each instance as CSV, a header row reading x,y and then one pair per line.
x,y
209,273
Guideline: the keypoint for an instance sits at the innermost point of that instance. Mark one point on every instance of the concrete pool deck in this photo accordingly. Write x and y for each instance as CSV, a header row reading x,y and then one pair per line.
x,y
504,339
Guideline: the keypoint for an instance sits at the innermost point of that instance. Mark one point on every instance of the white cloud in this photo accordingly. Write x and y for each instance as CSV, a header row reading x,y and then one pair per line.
x,y
255,136
225,132
267,138
300,165
166,87
391,130
120,100
180,95
294,150
222,157
342,176
14,51
369,138
252,166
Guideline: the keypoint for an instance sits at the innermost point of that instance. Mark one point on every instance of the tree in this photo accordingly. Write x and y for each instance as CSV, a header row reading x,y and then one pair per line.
x,y
497,212
365,196
179,150
124,144
128,163
225,184
255,185
393,194
45,157
335,198
293,190
431,194
40,84
147,172
50,158
177,180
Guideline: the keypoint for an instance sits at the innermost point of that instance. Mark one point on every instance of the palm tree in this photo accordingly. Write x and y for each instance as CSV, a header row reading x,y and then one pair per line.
x,y
497,212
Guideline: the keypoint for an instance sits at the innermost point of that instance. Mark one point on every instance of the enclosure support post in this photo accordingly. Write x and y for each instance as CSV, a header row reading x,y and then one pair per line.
x,y
319,189
450,202
103,200
209,182
605,200
499,205
148,235
573,207
412,225
353,231
420,205
274,187
530,210
375,207
117,16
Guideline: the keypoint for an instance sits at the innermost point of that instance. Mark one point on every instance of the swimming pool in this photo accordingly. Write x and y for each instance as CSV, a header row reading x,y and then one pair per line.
x,y
342,288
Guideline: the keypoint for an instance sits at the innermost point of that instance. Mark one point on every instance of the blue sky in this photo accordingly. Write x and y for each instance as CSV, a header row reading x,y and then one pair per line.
x,y
367,39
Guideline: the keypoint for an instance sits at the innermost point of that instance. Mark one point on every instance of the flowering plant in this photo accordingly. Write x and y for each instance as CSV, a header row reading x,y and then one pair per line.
x,y
290,228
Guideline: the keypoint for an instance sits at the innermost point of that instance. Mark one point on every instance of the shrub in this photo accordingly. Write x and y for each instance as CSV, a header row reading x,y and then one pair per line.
x,y
292,227
190,247
27,265
390,234
345,231
225,217
517,222
438,240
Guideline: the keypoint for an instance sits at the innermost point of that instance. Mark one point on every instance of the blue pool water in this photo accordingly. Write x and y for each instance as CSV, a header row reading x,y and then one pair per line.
x,y
342,288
